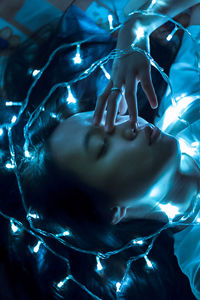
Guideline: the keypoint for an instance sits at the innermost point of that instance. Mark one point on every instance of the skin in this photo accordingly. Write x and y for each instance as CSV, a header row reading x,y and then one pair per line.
x,y
131,69
129,171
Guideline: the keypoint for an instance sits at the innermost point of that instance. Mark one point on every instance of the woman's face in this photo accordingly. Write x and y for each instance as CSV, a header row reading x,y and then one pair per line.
x,y
123,166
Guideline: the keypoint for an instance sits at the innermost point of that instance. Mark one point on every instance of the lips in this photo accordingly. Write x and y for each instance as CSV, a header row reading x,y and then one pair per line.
x,y
152,133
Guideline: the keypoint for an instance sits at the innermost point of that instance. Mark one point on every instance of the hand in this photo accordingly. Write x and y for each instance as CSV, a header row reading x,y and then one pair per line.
x,y
127,72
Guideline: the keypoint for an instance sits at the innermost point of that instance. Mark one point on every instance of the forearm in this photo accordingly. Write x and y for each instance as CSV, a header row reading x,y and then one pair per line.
x,y
169,8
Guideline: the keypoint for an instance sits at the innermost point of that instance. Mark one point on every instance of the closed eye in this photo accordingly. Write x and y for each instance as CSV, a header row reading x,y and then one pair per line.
x,y
103,149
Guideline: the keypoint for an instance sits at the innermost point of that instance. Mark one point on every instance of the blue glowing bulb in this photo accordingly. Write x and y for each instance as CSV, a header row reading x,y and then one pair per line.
x,y
15,229
36,248
27,153
35,72
118,286
10,165
77,59
99,265
14,118
170,36
105,72
1,131
61,283
70,98
149,263
110,20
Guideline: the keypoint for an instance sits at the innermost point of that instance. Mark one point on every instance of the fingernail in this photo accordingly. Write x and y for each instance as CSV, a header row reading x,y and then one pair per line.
x,y
155,106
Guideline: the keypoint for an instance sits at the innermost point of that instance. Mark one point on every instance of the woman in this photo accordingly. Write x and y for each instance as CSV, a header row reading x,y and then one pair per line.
x,y
53,172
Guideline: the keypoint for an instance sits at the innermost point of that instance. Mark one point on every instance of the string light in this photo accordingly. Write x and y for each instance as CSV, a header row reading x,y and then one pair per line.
x,y
10,165
149,263
37,247
33,215
171,211
138,242
13,120
118,287
77,59
35,73
70,98
16,229
27,153
54,116
105,72
65,233
99,265
10,103
170,36
110,20
139,32
63,282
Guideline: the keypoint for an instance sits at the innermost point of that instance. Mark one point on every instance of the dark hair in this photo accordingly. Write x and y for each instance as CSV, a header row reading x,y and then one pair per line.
x,y
45,186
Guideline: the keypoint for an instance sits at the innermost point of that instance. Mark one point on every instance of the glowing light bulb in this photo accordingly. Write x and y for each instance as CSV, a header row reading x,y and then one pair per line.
x,y
139,32
110,20
61,283
170,210
15,229
1,131
10,165
33,215
70,98
149,263
170,36
14,118
66,233
36,248
77,59
10,103
35,72
99,265
54,116
118,286
27,153
105,72
138,242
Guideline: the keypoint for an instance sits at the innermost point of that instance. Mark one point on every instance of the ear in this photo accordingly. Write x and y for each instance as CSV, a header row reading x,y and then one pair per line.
x,y
118,213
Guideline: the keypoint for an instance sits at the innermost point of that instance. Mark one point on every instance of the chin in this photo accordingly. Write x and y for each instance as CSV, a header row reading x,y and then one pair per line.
x,y
172,150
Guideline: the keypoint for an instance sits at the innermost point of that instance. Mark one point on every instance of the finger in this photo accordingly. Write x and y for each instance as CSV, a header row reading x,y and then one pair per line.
x,y
131,98
101,103
112,109
147,86
122,104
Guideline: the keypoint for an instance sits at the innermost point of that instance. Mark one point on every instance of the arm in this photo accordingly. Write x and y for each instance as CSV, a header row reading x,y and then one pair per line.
x,y
130,70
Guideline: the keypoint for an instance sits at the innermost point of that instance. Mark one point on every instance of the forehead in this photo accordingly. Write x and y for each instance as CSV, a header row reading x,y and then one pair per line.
x,y
68,135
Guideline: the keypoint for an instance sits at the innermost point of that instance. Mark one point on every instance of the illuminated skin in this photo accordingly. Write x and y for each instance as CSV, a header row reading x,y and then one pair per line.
x,y
129,168
128,71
